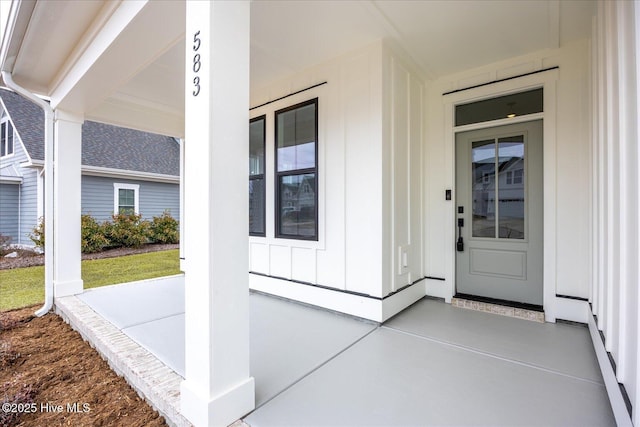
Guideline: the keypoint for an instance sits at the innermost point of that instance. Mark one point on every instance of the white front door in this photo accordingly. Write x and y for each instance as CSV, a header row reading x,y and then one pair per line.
x,y
499,209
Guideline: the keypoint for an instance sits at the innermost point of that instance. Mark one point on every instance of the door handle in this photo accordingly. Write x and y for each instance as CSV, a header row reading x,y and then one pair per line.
x,y
460,243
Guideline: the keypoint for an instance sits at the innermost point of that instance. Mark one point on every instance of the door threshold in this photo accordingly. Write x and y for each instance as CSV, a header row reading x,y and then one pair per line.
x,y
530,312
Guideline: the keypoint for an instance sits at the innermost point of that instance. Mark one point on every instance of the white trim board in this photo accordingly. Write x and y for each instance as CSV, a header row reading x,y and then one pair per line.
x,y
129,174
618,405
114,173
378,310
574,310
10,180
116,196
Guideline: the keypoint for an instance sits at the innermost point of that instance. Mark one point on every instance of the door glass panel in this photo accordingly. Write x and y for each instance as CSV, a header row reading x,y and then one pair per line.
x,y
511,185
483,174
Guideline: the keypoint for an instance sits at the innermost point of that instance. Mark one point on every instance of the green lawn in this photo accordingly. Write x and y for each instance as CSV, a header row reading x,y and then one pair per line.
x,y
21,287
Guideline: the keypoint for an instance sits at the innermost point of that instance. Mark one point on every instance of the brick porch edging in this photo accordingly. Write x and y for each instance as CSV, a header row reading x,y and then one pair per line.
x,y
151,379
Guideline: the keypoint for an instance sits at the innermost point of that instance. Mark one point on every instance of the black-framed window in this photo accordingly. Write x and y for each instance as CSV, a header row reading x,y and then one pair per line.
x,y
256,176
296,165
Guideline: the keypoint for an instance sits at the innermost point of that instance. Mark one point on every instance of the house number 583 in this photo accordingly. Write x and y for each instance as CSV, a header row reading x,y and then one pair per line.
x,y
196,63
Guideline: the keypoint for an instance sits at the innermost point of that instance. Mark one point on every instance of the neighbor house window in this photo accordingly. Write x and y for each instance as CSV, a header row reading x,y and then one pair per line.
x,y
296,171
256,176
518,174
126,198
6,136
515,177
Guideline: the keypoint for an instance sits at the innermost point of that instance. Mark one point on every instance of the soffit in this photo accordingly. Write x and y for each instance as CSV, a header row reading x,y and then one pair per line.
x,y
51,37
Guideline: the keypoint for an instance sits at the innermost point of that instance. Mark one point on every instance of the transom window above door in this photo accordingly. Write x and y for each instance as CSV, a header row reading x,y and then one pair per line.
x,y
502,107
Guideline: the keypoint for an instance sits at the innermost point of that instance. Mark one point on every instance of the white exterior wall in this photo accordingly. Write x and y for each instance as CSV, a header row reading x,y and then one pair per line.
x,y
616,199
572,274
347,255
403,173
369,180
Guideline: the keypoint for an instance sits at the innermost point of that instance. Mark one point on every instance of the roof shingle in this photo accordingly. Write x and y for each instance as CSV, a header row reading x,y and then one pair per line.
x,y
103,145
28,120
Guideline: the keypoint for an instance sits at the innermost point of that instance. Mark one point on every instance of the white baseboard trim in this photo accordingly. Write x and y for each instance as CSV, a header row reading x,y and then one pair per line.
x,y
574,310
371,308
397,302
68,287
438,288
221,410
611,382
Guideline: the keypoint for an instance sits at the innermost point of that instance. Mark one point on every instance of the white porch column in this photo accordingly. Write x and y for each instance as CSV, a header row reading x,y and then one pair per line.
x,y
182,232
218,388
67,279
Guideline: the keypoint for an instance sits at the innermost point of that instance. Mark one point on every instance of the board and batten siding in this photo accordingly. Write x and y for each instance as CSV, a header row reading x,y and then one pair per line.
x,y
612,269
370,118
9,210
348,253
154,197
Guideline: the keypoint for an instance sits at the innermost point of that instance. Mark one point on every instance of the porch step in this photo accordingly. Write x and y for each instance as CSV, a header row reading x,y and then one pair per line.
x,y
502,310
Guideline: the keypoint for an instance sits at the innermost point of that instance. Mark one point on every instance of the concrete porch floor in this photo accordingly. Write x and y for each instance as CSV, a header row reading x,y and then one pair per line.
x,y
433,364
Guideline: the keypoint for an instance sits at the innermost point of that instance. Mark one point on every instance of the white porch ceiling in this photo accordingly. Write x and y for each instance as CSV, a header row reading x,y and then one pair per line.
x,y
442,37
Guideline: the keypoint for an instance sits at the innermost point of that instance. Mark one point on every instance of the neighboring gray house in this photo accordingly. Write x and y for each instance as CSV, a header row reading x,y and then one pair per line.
x,y
122,170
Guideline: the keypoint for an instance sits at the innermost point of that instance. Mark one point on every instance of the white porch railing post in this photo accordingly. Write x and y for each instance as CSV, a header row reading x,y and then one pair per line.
x,y
67,278
218,388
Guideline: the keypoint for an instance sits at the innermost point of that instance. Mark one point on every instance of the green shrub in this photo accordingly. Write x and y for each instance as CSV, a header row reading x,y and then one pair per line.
x,y
93,235
37,234
164,229
128,230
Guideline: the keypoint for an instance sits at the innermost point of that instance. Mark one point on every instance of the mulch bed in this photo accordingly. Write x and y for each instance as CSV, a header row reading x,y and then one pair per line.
x,y
30,259
50,372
